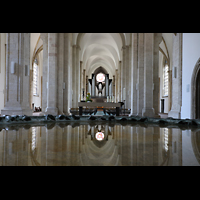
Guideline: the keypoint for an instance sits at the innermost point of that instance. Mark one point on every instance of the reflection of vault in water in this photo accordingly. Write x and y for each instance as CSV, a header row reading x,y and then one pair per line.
x,y
96,152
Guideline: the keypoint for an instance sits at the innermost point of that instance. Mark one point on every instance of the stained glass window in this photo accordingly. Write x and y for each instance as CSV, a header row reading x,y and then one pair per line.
x,y
100,77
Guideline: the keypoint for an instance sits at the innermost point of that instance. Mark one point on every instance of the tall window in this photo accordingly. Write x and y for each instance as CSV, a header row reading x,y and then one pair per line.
x,y
35,77
165,78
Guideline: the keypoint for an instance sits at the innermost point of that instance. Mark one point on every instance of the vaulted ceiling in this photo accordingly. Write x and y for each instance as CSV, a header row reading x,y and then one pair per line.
x,y
101,49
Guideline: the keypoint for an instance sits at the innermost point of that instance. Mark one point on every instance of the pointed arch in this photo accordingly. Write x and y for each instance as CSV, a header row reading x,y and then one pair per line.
x,y
80,35
193,89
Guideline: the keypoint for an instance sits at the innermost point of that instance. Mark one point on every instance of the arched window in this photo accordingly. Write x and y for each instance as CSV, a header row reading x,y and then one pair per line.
x,y
165,79
35,77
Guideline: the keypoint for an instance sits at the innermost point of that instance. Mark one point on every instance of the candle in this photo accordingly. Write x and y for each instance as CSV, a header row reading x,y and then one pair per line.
x,y
107,98
123,94
110,98
113,99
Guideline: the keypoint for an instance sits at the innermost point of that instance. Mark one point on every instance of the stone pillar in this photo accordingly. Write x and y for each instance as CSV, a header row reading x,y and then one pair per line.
x,y
123,70
89,87
113,86
140,79
116,86
44,37
17,75
86,85
93,85
119,82
67,74
52,74
78,94
76,76
157,41
134,67
81,79
110,88
107,85
148,109
126,77
69,69
84,79
61,73
175,111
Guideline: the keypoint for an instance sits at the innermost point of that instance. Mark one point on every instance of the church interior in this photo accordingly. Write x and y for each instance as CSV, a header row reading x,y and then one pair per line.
x,y
157,71
150,74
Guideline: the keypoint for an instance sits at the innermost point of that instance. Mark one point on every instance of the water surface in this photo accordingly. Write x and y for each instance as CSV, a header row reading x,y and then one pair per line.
x,y
99,145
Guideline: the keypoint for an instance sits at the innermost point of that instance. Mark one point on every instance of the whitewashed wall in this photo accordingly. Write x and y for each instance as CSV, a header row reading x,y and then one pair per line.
x,y
191,53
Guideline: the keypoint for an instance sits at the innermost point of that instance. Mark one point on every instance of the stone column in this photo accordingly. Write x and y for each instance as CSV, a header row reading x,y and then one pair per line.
x,y
61,73
17,75
157,41
134,67
123,70
176,76
81,80
110,88
89,87
84,84
140,79
78,94
148,109
52,74
44,37
93,85
116,86
26,74
67,74
107,84
119,82
76,76
113,86
126,77
69,70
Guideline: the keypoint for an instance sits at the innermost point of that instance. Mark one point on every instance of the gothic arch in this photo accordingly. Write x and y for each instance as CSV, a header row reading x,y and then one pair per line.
x,y
193,89
80,35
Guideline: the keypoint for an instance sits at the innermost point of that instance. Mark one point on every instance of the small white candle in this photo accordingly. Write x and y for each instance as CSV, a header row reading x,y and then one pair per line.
x,y
107,98
123,94
113,99
110,98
